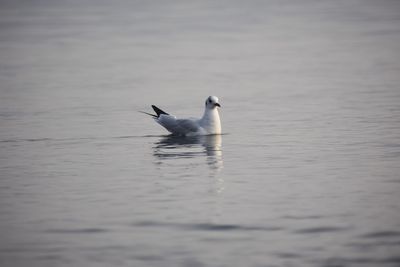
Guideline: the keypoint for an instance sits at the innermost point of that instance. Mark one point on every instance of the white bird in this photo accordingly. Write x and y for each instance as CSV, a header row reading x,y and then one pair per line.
x,y
210,123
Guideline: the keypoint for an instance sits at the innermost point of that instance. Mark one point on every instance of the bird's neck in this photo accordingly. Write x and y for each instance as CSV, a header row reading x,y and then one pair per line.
x,y
211,121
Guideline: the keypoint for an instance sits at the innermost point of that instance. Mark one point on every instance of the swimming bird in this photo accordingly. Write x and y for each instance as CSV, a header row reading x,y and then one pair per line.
x,y
209,124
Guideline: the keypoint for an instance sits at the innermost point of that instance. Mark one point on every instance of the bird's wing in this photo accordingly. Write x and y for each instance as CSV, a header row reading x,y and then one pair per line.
x,y
178,126
188,125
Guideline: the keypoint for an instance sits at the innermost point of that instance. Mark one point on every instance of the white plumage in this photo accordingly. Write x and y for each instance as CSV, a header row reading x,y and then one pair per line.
x,y
210,123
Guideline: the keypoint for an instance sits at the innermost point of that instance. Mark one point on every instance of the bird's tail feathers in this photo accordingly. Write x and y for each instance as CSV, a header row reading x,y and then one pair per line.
x,y
154,116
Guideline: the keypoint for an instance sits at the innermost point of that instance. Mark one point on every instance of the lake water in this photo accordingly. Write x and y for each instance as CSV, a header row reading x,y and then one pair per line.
x,y
307,172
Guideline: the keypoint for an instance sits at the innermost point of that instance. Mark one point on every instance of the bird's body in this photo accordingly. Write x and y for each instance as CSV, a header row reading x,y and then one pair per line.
x,y
210,123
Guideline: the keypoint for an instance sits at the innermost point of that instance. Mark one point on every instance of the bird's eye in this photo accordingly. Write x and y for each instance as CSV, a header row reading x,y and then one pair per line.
x,y
209,100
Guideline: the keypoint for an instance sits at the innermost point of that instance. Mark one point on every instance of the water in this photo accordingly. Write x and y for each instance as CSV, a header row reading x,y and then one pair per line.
x,y
305,174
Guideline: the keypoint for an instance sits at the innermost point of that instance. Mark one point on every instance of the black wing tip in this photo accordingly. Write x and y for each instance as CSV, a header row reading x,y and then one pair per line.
x,y
158,111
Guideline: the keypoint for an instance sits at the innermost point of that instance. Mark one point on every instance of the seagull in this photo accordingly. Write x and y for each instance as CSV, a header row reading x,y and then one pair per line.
x,y
209,124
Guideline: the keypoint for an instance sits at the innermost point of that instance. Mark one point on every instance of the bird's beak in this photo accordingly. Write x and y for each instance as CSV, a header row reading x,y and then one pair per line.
x,y
217,105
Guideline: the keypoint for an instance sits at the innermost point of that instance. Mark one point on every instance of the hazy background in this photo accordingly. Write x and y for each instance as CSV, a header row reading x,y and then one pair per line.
x,y
306,174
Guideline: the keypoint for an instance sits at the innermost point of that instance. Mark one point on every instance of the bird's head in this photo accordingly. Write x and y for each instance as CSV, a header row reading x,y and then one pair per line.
x,y
212,102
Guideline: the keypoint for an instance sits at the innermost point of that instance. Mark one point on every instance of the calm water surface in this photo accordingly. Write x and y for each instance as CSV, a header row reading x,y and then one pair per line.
x,y
307,172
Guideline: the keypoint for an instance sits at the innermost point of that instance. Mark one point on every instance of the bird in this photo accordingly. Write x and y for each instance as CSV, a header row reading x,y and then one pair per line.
x,y
209,124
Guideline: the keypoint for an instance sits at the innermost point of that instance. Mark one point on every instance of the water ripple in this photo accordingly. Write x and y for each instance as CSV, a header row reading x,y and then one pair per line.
x,y
206,226
318,230
362,260
382,234
301,217
77,231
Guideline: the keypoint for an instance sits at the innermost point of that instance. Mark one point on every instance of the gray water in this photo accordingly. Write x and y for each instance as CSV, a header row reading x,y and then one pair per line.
x,y
307,172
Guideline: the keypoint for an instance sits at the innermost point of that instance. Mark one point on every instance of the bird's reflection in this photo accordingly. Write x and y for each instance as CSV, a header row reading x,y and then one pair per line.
x,y
191,147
